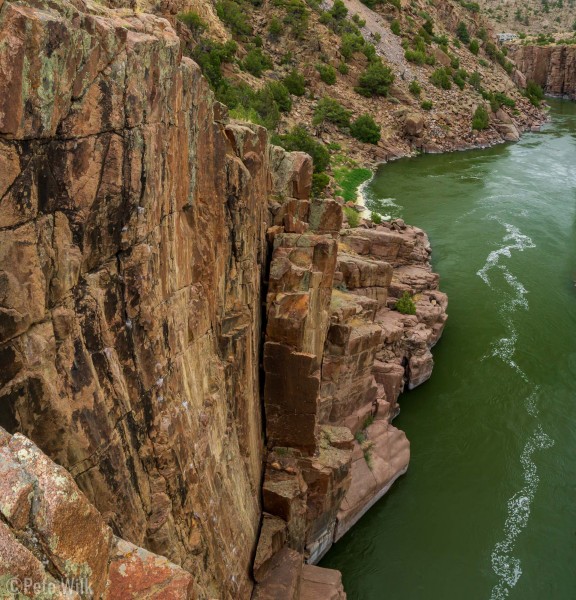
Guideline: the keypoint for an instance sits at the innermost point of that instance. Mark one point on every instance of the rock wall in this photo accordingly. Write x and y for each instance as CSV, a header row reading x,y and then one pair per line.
x,y
212,358
132,243
552,67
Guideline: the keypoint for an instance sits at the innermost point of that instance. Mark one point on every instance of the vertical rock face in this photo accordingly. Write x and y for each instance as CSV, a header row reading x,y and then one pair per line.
x,y
552,67
204,349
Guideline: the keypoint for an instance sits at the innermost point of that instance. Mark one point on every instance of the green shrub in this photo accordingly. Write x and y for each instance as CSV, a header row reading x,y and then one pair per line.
x,y
376,218
534,93
210,56
343,68
192,20
297,17
352,216
414,88
426,105
265,105
475,80
281,95
376,80
365,129
441,78
295,83
243,113
275,28
299,139
462,33
250,105
395,27
503,100
415,56
256,62
351,43
233,15
319,183
327,73
330,110
369,52
406,305
481,119
339,10
474,47
458,79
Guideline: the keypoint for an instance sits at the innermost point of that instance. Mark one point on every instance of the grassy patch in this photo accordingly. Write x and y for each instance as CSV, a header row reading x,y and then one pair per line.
x,y
349,180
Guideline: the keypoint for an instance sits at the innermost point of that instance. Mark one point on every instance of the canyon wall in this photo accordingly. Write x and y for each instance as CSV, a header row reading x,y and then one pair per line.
x,y
551,67
212,357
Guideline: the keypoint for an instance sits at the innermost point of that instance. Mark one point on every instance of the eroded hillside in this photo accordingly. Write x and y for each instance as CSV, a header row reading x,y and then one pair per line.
x,y
419,70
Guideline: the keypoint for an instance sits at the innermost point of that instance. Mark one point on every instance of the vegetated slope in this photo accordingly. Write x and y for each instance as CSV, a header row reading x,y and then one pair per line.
x,y
531,16
420,71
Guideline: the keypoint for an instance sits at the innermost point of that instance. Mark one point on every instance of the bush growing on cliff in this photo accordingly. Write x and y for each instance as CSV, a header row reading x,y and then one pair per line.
x,y
299,139
281,95
297,16
232,14
406,305
376,218
376,80
534,93
475,80
481,119
441,78
295,83
426,105
210,56
339,10
352,216
414,88
331,111
395,27
474,47
462,33
256,62
275,28
351,43
415,56
319,183
193,21
365,129
327,73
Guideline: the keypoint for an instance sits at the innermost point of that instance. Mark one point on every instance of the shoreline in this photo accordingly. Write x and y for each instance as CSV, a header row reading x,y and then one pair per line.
x,y
360,196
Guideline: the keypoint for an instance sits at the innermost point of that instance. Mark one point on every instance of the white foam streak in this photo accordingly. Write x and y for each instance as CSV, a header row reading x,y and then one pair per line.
x,y
519,241
504,564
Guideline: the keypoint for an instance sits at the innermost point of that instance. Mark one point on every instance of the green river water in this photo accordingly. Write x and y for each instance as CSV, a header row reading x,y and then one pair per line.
x,y
487,509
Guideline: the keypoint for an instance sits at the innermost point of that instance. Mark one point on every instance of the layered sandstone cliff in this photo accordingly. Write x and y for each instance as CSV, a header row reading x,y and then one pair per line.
x,y
551,67
212,358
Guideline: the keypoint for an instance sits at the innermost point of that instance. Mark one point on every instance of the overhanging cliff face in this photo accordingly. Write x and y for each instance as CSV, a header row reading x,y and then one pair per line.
x,y
551,67
156,264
